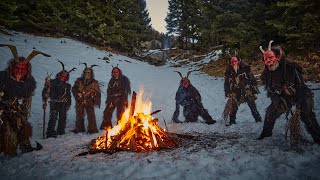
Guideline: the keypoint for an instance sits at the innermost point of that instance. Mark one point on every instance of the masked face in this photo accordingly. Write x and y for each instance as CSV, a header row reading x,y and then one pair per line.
x,y
185,83
20,70
87,74
64,76
234,62
116,73
271,60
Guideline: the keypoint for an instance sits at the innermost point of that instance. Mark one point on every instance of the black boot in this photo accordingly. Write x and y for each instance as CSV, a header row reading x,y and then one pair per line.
x,y
92,131
176,120
232,121
51,134
258,119
26,147
206,116
264,135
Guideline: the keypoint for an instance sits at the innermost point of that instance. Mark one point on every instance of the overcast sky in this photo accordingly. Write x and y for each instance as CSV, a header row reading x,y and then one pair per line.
x,y
158,11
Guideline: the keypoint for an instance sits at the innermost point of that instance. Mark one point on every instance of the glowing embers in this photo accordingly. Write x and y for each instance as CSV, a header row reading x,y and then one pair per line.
x,y
135,131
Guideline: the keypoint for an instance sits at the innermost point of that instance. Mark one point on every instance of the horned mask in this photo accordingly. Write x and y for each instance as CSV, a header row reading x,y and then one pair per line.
x,y
64,74
269,57
88,71
184,80
20,66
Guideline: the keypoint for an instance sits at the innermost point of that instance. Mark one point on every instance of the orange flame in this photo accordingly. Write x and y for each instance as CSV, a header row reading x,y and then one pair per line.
x,y
139,132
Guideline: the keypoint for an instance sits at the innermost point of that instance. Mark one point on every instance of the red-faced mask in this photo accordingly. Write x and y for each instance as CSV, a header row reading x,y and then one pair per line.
x,y
269,58
116,73
185,82
20,70
234,61
64,76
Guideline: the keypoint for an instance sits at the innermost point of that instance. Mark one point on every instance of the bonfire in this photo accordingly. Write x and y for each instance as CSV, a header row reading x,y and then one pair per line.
x,y
137,131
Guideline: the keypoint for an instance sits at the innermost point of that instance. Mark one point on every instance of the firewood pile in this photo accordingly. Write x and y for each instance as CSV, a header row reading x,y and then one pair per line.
x,y
141,132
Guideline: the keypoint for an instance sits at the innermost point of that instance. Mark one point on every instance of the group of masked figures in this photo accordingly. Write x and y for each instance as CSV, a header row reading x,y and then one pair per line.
x,y
283,81
17,86
281,77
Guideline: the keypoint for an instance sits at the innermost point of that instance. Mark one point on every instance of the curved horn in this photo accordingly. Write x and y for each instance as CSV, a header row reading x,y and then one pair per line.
x,y
33,54
269,47
72,69
228,53
13,51
179,74
62,65
261,49
50,74
93,65
84,64
188,74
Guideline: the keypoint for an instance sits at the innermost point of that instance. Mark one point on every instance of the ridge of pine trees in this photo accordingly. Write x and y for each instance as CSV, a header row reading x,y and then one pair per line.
x,y
246,24
243,25
120,24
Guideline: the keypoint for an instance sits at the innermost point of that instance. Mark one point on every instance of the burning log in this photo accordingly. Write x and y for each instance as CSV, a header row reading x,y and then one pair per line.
x,y
133,103
137,132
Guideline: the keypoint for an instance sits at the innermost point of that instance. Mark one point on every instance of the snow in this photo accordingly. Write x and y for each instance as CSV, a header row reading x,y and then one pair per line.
x,y
219,152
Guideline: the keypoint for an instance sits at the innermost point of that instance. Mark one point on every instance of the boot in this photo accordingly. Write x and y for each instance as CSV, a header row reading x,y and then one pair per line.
x,y
264,135
175,120
232,121
26,147
61,132
258,120
211,122
206,116
92,131
76,131
51,134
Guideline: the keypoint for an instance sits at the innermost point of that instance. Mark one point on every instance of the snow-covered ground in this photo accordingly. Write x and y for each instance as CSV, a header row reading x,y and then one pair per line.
x,y
215,152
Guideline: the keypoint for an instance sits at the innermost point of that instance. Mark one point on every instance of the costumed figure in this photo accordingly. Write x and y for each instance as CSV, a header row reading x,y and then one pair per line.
x,y
59,92
87,94
285,86
117,97
189,98
240,86
17,87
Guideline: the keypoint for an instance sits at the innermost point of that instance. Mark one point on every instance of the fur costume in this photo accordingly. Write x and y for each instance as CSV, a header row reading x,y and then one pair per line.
x,y
17,87
117,97
91,96
285,87
190,99
60,102
16,130
242,86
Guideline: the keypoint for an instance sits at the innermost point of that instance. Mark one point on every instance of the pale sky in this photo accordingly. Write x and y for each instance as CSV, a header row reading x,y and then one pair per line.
x,y
158,11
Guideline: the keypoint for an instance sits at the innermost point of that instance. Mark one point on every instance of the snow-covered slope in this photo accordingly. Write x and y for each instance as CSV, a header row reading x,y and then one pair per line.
x,y
217,151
